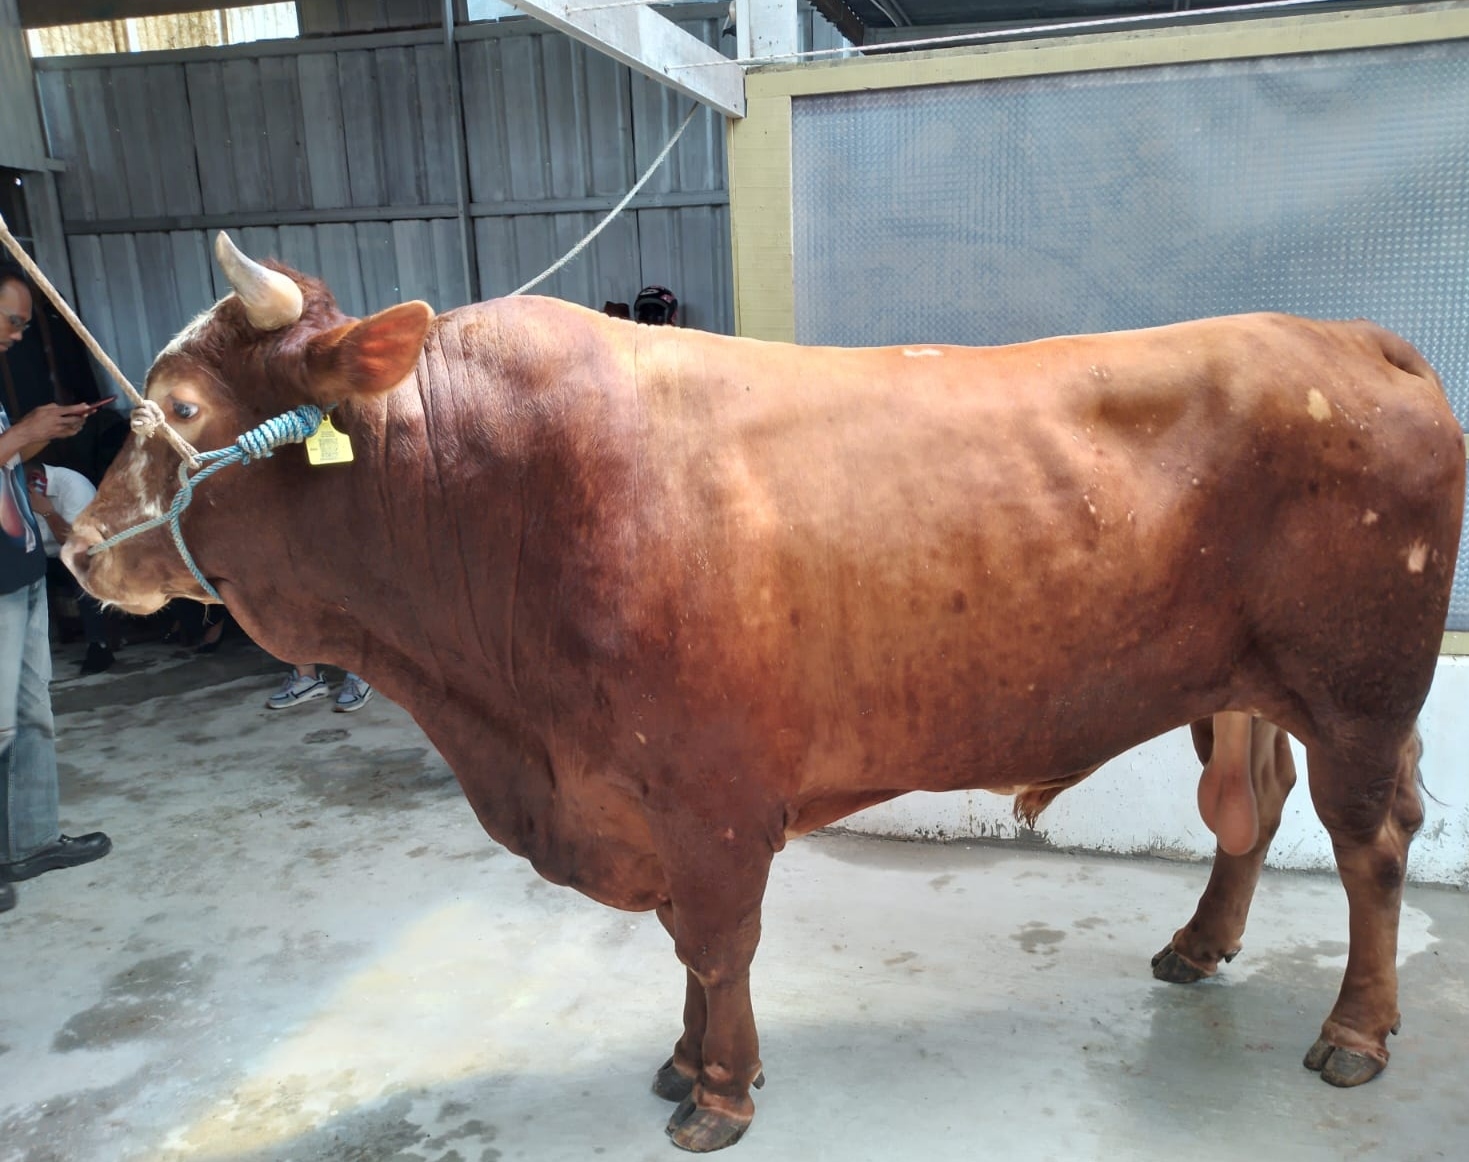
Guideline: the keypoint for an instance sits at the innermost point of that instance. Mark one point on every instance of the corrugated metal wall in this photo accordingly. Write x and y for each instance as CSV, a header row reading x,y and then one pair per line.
x,y
338,156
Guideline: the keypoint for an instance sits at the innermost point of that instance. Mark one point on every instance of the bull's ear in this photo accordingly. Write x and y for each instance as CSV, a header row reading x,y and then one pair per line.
x,y
372,355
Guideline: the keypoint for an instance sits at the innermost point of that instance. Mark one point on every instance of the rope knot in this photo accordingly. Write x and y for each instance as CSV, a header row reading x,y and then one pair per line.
x,y
288,428
146,419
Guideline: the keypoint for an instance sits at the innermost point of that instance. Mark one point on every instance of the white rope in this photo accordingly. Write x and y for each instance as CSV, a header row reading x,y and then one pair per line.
x,y
994,34
617,209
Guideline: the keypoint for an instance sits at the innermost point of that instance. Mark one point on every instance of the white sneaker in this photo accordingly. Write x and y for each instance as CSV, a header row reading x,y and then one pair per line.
x,y
296,689
353,695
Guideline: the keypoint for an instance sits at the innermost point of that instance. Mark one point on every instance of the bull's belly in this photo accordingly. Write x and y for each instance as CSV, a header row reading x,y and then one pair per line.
x,y
1006,756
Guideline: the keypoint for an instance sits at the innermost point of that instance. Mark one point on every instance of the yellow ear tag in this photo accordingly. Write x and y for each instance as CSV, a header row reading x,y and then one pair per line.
x,y
326,445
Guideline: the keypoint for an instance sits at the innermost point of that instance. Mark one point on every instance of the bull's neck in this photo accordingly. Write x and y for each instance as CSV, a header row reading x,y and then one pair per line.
x,y
402,566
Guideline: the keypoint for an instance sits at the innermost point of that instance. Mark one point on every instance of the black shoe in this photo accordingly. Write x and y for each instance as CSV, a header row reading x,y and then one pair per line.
x,y
98,658
64,851
7,897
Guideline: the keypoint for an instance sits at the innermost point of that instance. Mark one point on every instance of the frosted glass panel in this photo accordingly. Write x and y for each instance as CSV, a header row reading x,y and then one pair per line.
x,y
1334,185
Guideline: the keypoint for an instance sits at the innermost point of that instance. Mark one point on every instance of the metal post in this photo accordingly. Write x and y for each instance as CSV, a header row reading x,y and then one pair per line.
x,y
469,251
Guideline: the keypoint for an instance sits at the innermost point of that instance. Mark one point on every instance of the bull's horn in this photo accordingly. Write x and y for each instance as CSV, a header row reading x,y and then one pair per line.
x,y
272,300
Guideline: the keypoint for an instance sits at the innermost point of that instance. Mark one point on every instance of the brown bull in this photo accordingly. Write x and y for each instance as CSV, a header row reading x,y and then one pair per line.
x,y
665,599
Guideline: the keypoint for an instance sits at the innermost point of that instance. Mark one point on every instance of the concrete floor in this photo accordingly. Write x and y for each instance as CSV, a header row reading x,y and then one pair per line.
x,y
303,948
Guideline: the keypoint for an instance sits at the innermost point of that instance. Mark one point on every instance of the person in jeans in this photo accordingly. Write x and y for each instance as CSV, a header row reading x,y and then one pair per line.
x,y
31,842
304,683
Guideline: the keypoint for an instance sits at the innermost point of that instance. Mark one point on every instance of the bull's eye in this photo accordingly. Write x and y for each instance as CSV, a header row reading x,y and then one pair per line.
x,y
184,411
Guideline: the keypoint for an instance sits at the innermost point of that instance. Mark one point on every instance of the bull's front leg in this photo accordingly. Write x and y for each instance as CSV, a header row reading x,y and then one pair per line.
x,y
675,1078
1225,744
714,918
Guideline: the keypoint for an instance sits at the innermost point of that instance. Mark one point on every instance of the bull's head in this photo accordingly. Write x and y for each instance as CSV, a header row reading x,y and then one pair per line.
x,y
278,341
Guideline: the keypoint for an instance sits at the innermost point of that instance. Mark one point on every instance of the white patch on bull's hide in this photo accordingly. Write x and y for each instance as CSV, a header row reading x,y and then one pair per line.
x,y
1318,405
148,506
198,324
920,352
1417,556
1369,517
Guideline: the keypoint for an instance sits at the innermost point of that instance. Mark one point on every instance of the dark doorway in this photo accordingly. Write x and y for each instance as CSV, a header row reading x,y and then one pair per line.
x,y
50,364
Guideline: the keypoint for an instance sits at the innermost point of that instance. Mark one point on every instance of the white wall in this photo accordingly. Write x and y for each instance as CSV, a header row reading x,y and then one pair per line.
x,y
1143,803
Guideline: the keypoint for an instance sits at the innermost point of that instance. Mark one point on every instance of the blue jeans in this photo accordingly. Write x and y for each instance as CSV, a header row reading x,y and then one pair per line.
x,y
29,812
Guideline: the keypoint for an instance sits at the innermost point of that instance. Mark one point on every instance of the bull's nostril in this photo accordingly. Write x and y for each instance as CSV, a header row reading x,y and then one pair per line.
x,y
74,553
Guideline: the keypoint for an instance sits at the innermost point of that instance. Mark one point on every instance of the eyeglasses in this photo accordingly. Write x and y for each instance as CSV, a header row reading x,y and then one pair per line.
x,y
18,323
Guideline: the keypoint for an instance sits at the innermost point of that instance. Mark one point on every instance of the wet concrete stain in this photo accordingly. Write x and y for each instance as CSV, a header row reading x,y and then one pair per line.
x,y
162,682
1036,937
382,1133
55,1130
381,779
330,734
151,996
491,850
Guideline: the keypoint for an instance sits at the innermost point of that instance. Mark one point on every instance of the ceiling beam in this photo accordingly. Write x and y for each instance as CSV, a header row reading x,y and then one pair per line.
x,y
649,43
847,22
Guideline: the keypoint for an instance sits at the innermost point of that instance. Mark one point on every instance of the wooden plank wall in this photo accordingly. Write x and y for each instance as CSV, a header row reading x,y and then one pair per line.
x,y
338,156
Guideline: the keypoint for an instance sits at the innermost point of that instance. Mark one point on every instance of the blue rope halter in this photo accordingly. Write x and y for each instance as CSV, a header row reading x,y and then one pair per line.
x,y
258,443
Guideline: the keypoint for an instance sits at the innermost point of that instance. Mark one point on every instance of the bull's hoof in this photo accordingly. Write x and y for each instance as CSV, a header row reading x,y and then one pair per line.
x,y
670,1084
703,1131
1342,1067
1171,966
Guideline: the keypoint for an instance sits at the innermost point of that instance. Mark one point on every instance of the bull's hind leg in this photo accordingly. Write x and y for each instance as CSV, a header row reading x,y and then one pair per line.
x,y
1218,922
1367,796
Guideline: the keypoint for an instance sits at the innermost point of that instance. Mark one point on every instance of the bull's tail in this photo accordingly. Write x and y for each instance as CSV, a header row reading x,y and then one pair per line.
x,y
1400,353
